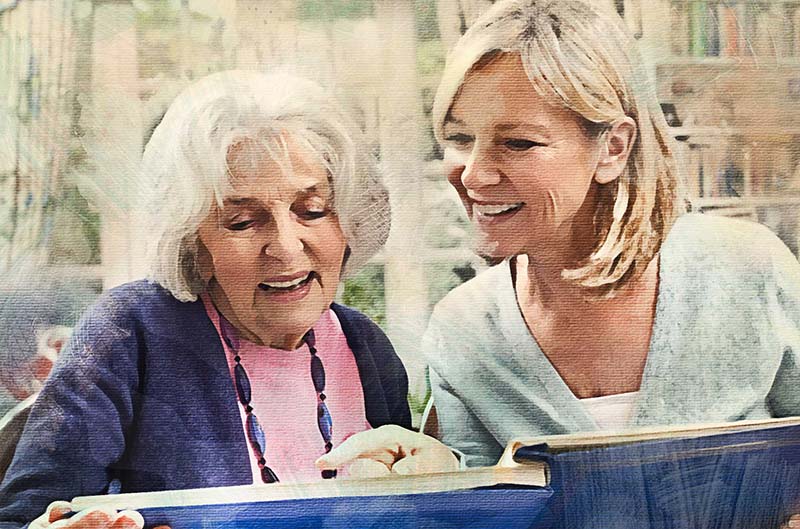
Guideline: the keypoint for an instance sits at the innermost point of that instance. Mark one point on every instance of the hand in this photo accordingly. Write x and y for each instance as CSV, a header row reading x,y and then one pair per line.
x,y
389,449
792,522
53,518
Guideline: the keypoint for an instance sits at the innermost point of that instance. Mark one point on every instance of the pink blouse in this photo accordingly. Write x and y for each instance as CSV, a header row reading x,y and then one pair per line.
x,y
285,402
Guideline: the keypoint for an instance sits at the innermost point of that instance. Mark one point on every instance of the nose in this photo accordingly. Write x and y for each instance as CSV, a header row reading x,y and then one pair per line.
x,y
285,240
480,170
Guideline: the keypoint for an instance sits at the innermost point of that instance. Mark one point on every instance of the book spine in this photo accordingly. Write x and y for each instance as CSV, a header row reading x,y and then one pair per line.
x,y
729,33
712,31
765,34
698,42
679,25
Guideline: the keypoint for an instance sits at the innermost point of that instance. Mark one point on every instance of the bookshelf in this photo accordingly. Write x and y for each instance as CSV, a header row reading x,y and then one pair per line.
x,y
727,74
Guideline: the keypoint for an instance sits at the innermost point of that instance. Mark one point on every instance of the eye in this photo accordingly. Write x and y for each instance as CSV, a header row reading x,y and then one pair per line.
x,y
459,139
312,208
518,144
240,225
313,214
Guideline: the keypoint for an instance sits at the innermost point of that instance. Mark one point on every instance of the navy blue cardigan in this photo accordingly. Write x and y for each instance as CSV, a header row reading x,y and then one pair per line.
x,y
143,395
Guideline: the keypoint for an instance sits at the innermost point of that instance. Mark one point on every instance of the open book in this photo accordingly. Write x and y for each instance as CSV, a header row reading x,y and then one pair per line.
x,y
743,474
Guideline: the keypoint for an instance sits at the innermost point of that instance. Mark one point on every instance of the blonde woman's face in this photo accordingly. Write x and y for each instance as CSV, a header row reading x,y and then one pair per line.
x,y
524,168
276,248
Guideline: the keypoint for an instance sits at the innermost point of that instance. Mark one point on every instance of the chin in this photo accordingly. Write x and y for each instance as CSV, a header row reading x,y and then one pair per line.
x,y
496,249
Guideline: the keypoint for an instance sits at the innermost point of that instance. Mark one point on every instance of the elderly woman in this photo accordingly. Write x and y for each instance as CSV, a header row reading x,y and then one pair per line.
x,y
232,365
608,309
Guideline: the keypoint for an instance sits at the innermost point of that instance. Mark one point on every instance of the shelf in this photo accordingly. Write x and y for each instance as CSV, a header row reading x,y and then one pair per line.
x,y
753,202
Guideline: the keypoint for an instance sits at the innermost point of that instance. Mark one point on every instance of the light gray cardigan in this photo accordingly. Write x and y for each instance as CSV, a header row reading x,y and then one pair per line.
x,y
725,345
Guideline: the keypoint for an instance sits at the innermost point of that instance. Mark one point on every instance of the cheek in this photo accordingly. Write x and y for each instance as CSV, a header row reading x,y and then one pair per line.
x,y
454,164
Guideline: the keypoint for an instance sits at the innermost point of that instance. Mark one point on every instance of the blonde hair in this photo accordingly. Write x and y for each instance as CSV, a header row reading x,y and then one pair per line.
x,y
186,165
583,58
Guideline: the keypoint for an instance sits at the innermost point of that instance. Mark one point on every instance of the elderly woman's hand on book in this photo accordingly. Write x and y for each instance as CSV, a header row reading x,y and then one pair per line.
x,y
55,517
390,449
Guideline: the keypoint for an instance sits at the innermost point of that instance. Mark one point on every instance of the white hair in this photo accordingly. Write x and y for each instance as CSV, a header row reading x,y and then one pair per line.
x,y
584,60
186,165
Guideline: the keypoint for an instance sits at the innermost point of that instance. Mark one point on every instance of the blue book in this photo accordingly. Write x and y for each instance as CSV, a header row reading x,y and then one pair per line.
x,y
735,475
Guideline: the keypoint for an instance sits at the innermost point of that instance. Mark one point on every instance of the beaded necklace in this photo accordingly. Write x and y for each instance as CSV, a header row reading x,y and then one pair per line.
x,y
255,433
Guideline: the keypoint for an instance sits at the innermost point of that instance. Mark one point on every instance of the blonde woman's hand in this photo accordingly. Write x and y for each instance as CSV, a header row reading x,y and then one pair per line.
x,y
389,449
54,518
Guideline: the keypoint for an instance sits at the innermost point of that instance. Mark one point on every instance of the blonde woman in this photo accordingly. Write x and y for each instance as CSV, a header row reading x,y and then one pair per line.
x,y
608,308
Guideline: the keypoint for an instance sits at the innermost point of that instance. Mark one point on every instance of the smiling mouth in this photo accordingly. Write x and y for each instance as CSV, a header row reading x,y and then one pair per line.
x,y
287,286
491,211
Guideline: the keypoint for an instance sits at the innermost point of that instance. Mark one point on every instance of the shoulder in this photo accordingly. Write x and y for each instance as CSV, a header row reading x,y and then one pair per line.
x,y
135,306
364,335
466,327
145,300
476,301
725,240
717,262
354,322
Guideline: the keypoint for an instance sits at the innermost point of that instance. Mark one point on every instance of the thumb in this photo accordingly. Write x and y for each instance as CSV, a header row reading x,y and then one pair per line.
x,y
57,509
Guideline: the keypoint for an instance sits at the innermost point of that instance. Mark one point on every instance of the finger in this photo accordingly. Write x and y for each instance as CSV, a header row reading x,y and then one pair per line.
x,y
57,509
88,519
128,520
793,522
426,463
372,444
367,468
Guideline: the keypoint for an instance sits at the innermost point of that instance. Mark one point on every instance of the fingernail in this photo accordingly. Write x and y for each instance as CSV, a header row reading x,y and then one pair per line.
x,y
134,516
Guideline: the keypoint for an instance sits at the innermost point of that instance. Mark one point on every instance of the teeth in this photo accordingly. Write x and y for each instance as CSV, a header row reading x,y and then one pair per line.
x,y
495,209
286,284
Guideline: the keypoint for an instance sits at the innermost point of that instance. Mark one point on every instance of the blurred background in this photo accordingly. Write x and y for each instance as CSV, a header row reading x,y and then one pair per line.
x,y
84,82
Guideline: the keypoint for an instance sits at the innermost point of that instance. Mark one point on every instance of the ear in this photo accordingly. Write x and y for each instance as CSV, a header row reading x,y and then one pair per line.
x,y
205,264
616,145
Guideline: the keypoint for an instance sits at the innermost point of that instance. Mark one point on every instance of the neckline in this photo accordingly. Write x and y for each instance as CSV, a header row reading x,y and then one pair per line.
x,y
523,342
216,317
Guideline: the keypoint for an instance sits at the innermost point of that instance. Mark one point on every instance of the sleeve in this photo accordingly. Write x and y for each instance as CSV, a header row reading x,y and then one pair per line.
x,y
459,428
784,300
77,427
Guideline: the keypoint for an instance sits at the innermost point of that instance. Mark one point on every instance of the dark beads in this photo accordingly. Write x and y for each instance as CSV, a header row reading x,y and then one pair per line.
x,y
256,435
310,339
242,384
268,476
324,422
317,374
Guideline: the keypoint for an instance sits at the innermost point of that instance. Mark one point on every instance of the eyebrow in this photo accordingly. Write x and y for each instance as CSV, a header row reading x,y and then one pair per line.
x,y
505,127
502,127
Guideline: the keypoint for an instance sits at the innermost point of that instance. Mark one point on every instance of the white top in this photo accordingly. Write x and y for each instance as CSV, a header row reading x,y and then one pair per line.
x,y
611,412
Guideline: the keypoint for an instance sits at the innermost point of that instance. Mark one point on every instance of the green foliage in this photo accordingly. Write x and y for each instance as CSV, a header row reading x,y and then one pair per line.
x,y
76,233
323,10
365,292
430,57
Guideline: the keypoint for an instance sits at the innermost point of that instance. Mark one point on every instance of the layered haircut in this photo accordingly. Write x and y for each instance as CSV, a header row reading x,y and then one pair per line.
x,y
185,165
583,58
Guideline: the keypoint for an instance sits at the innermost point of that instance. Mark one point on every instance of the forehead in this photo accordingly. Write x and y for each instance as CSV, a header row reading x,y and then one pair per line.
x,y
279,166
500,93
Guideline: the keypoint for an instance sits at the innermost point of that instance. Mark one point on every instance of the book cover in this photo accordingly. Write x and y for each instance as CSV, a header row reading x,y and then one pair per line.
x,y
733,475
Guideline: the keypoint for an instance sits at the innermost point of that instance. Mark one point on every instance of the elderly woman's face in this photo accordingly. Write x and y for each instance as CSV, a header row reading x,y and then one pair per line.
x,y
523,167
275,246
